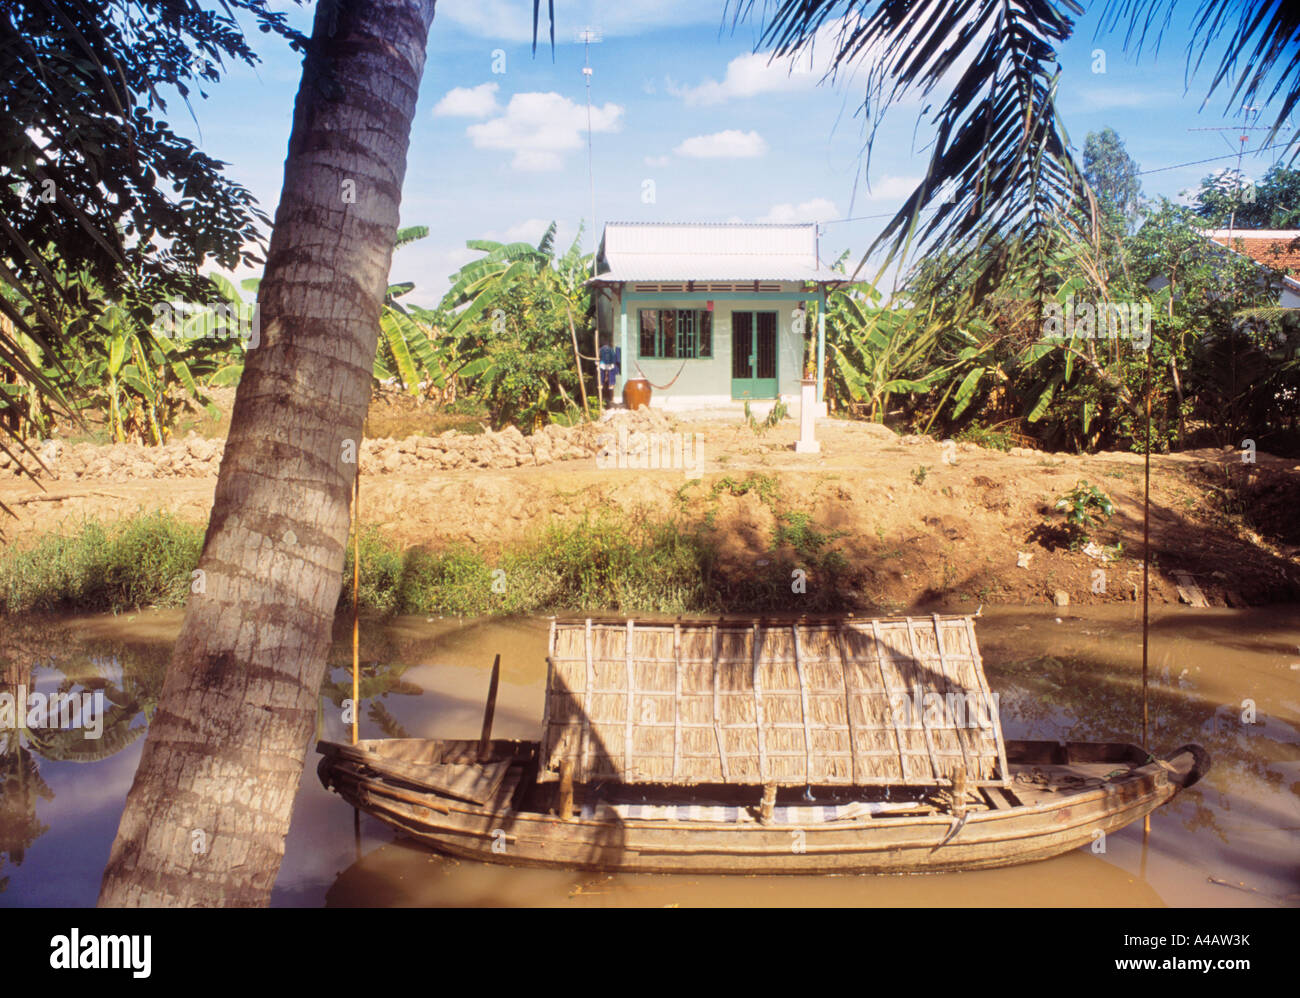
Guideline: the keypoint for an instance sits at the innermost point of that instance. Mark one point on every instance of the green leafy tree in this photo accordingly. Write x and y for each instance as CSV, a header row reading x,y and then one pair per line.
x,y
1273,203
1223,368
91,174
1276,204
1113,175
516,310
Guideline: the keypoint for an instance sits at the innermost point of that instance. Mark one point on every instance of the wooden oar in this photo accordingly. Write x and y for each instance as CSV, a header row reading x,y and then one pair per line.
x,y
485,738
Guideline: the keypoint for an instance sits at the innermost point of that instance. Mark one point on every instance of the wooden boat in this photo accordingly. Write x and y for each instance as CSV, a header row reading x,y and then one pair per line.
x,y
759,747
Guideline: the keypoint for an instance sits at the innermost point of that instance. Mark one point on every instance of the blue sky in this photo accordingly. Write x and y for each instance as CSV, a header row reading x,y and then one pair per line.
x,y
684,110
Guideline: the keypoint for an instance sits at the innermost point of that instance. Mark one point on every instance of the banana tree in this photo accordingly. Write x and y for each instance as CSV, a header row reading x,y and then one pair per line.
x,y
514,312
485,283
414,348
220,367
142,372
24,406
118,339
566,285
879,351
398,333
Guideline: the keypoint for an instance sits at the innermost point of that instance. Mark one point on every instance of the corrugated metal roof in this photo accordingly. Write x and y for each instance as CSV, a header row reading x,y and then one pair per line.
x,y
703,251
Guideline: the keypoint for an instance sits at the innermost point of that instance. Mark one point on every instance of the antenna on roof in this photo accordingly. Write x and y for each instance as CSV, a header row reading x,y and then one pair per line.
x,y
588,36
1247,110
1232,217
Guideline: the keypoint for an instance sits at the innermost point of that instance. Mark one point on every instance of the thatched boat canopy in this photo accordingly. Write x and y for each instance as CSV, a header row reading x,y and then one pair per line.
x,y
844,702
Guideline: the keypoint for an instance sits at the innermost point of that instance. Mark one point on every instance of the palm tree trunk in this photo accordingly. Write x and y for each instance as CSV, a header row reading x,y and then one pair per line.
x,y
207,815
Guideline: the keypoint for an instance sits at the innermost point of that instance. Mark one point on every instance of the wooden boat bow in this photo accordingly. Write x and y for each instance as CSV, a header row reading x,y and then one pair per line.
x,y
1199,765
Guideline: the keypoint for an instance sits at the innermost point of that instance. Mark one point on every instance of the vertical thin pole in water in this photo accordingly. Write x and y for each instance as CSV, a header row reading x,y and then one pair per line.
x,y
485,739
356,585
1146,568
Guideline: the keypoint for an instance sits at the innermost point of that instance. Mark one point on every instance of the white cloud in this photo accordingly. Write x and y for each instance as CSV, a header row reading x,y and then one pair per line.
x,y
749,76
892,188
758,73
754,74
469,102
531,231
446,262
816,210
657,160
429,267
729,144
540,127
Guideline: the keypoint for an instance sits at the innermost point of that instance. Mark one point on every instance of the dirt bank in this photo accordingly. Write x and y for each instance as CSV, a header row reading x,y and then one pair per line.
x,y
916,521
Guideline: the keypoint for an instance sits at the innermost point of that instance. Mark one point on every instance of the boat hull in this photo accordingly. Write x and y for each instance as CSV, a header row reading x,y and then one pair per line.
x,y
1032,823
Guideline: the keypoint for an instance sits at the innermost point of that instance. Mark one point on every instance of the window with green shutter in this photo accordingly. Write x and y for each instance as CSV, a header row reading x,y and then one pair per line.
x,y
675,333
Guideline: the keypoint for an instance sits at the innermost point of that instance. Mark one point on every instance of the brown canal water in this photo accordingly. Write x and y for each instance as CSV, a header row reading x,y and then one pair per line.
x,y
1232,840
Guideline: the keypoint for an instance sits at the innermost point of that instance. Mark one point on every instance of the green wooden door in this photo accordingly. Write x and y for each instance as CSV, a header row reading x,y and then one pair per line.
x,y
753,355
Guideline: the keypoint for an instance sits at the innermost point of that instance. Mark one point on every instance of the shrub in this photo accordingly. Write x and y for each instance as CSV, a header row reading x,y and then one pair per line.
x,y
142,561
1085,507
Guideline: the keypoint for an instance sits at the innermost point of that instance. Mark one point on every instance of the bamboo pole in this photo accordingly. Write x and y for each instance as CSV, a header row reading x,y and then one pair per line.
x,y
565,804
356,585
1146,549
577,360
1146,566
767,806
485,739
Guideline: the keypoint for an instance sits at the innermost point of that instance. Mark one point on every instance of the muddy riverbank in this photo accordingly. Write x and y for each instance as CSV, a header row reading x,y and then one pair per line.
x,y
904,521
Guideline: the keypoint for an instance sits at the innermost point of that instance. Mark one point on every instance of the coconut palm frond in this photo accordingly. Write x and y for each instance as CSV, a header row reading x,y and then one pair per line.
x,y
1000,167
389,725
1261,58
1001,172
72,745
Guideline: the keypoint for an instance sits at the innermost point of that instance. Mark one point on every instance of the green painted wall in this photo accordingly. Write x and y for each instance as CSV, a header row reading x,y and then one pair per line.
x,y
710,380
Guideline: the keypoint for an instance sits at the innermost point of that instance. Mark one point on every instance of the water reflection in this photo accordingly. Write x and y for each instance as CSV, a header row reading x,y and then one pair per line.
x,y
402,874
112,688
1231,840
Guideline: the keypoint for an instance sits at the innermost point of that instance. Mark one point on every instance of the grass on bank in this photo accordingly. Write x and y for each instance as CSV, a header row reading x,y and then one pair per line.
x,y
144,560
602,564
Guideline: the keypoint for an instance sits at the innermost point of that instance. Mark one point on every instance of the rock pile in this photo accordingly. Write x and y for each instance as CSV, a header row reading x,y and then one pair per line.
x,y
195,457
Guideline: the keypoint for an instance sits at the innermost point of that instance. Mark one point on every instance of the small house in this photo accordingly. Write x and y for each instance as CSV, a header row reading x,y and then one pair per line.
x,y
714,314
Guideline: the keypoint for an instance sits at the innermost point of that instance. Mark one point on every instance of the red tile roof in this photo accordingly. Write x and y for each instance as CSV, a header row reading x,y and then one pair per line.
x,y
1277,248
